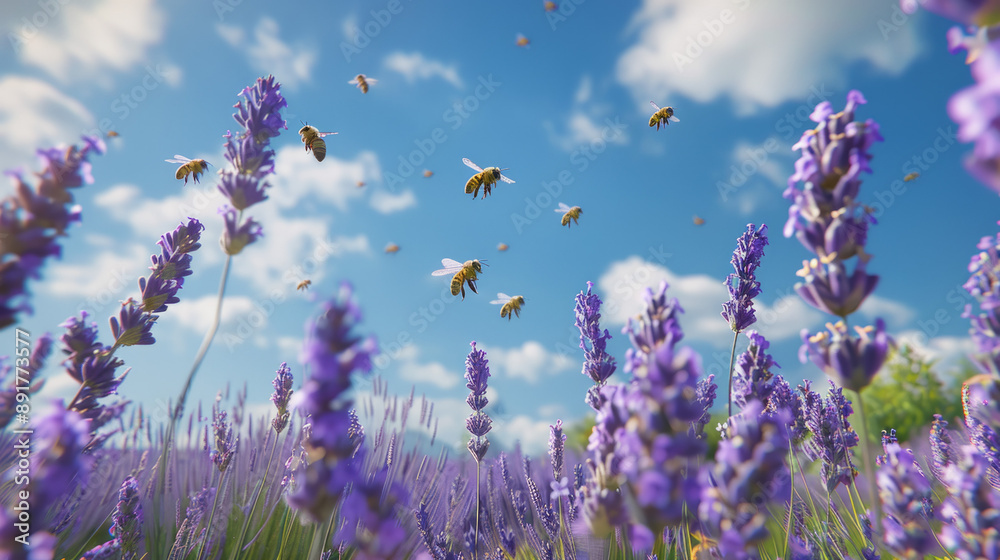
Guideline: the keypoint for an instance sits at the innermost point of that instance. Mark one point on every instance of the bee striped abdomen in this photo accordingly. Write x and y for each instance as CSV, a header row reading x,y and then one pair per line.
x,y
319,149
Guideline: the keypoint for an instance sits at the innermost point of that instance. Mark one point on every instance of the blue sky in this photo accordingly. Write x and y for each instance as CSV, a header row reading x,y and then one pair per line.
x,y
568,115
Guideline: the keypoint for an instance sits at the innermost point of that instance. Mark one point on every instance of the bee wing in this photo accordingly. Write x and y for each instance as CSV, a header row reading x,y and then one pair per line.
x,y
371,80
322,134
502,298
563,208
178,159
674,118
450,267
472,165
655,106
506,179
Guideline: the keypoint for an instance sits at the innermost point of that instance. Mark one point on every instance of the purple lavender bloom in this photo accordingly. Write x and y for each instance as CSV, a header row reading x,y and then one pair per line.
x,y
111,550
332,352
282,393
852,362
833,437
654,328
598,365
170,266
706,398
942,449
972,509
557,444
978,12
58,464
132,326
981,405
126,521
984,285
742,284
752,377
828,288
33,218
906,500
477,373
225,441
236,237
783,398
749,472
370,517
976,110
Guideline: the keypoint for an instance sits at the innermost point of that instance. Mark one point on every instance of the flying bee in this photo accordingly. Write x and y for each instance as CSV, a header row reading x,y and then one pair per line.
x,y
911,176
501,247
392,248
313,139
428,173
112,134
464,273
698,221
522,41
511,305
550,6
193,167
304,285
569,213
486,178
363,82
361,184
662,116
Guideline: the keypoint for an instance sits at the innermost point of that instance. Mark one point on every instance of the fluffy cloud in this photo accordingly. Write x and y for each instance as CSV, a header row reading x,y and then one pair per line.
x,y
267,53
530,361
415,66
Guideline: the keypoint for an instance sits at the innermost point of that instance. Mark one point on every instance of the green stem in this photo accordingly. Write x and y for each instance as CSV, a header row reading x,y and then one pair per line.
x,y
211,517
475,544
732,357
238,552
206,343
869,463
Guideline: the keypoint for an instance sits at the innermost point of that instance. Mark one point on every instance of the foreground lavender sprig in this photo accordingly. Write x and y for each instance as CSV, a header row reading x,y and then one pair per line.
x,y
33,218
282,394
743,287
833,436
972,509
752,376
906,500
598,365
477,373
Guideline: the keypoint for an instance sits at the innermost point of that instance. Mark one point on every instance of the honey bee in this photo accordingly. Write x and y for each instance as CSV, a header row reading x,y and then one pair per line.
x,y
911,176
361,184
304,285
193,167
392,248
501,247
550,6
112,134
698,221
511,305
569,213
464,273
522,41
486,178
662,116
313,139
428,173
363,82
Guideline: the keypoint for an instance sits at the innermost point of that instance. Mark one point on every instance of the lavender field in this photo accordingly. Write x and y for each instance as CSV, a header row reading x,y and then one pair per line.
x,y
208,360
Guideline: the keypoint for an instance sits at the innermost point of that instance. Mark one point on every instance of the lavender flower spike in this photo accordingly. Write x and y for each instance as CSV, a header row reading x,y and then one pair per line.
x,y
598,365
851,361
282,393
742,284
477,372
126,522
906,497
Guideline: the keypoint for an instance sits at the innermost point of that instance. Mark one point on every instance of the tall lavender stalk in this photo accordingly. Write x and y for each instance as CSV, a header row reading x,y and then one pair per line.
x,y
477,373
743,287
598,365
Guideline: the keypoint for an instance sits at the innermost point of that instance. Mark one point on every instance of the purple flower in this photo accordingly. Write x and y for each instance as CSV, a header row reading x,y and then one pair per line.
x,y
979,12
370,517
972,509
598,365
170,266
706,398
132,326
752,377
126,521
981,405
477,373
749,472
783,398
33,218
111,550
282,393
58,464
851,361
557,443
906,500
225,441
833,436
659,325
742,284
984,285
976,109
827,287
236,237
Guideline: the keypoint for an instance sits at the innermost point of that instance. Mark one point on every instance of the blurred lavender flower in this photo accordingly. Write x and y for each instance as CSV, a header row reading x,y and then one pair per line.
x,y
706,398
742,284
978,12
370,521
981,406
225,441
126,521
598,365
332,352
111,550
557,444
58,464
942,449
972,509
653,329
752,377
852,362
477,373
833,436
906,500
749,472
33,218
236,237
282,393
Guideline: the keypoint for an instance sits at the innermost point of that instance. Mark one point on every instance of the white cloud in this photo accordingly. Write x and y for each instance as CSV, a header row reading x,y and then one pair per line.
x,y
529,362
151,217
267,53
701,296
101,282
895,314
387,203
947,351
196,313
706,50
35,115
751,162
82,42
420,374
415,66
531,433
587,122
298,176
